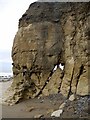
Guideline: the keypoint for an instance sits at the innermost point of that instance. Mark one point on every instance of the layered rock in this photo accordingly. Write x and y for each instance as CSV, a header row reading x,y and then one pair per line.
x,y
51,34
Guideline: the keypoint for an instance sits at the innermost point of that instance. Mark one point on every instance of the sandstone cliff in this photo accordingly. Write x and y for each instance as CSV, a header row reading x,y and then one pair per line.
x,y
51,34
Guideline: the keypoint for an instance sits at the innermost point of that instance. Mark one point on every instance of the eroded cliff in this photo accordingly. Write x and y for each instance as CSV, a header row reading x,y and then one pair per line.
x,y
49,35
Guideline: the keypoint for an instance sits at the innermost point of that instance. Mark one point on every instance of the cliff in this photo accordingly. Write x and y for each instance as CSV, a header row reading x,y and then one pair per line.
x,y
49,35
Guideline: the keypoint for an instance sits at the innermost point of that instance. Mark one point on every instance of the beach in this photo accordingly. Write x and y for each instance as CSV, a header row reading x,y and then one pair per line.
x,y
43,107
3,87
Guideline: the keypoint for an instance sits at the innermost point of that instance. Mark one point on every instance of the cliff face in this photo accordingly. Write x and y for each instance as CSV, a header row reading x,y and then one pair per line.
x,y
51,34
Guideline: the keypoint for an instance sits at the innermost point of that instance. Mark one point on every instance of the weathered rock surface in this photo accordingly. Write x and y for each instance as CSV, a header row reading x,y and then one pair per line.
x,y
50,34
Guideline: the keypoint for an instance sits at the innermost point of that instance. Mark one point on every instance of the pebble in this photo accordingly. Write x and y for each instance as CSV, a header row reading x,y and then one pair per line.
x,y
72,97
30,109
39,97
62,105
57,113
49,111
41,101
38,116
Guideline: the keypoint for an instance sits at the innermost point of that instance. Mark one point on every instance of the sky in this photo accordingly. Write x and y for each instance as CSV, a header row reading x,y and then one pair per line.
x,y
10,13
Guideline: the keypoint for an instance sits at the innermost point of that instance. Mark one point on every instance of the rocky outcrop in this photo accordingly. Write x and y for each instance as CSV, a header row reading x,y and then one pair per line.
x,y
51,34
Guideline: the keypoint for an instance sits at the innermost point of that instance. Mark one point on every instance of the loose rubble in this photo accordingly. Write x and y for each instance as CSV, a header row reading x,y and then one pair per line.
x,y
57,113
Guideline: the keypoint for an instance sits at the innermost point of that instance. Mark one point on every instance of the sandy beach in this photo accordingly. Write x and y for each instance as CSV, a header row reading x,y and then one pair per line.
x,y
44,106
3,87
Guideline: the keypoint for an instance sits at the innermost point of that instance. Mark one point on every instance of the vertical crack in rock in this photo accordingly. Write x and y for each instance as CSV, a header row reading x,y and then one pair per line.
x,y
46,82
70,83
61,66
80,73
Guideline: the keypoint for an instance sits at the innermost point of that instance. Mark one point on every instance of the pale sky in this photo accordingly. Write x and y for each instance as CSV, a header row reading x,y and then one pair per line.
x,y
10,13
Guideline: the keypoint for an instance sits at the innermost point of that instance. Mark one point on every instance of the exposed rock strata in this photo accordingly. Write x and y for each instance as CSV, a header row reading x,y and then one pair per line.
x,y
50,34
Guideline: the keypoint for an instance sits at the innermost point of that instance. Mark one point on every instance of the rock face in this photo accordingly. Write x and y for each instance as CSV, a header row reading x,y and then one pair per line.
x,y
51,34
